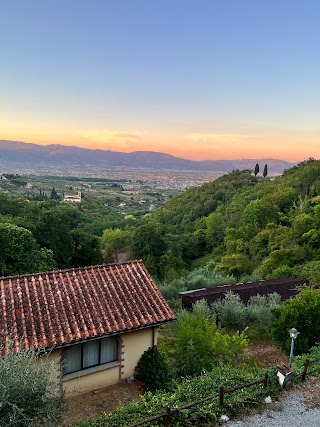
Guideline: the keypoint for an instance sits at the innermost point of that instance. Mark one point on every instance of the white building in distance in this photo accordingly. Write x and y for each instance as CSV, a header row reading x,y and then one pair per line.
x,y
72,198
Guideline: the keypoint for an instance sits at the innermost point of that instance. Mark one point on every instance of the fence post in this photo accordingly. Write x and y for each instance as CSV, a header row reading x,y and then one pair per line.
x,y
221,397
168,417
305,370
265,381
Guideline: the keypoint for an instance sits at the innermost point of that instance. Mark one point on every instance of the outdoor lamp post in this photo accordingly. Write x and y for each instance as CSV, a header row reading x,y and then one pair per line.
x,y
293,335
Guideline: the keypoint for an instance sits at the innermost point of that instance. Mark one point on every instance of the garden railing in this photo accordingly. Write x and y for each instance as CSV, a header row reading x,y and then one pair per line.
x,y
306,366
221,394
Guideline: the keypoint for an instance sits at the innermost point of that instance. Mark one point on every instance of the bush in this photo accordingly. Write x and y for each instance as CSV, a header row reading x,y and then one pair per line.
x,y
197,343
204,277
231,312
259,309
299,361
301,312
153,371
234,314
28,392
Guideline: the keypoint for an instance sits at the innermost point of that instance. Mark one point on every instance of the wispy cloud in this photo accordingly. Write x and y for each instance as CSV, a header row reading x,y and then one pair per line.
x,y
112,137
217,137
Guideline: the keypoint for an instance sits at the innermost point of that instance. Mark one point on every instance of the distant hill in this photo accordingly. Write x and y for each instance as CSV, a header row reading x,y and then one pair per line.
x,y
22,152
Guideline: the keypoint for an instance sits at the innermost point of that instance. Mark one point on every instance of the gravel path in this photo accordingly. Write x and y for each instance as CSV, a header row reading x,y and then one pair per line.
x,y
295,408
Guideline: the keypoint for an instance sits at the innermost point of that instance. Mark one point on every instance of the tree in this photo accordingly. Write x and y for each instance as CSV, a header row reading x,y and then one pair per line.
x,y
214,229
53,231
265,171
86,249
148,243
111,243
54,195
256,169
20,253
234,314
236,264
259,212
171,265
28,391
301,312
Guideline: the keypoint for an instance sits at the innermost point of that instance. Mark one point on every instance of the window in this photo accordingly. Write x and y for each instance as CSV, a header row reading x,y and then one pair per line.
x,y
91,353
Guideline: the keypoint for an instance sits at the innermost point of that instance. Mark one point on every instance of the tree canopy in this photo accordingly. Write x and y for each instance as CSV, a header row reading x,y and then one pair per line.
x,y
240,224
244,224
20,252
302,313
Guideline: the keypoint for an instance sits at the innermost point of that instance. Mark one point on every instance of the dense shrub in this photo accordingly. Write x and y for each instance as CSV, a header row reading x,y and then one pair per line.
x,y
197,344
28,392
189,391
299,361
301,312
310,270
153,371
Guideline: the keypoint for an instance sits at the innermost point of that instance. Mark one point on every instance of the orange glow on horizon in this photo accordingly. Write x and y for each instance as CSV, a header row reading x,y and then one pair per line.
x,y
196,146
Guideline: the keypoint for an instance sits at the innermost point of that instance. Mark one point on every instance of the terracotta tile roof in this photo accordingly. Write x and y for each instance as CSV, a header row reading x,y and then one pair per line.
x,y
56,308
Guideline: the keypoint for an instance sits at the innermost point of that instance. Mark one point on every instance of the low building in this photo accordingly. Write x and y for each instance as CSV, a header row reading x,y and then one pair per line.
x,y
93,322
72,198
285,287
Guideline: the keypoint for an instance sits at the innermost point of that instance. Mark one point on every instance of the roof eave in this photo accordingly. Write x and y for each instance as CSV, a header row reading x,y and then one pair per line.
x,y
139,328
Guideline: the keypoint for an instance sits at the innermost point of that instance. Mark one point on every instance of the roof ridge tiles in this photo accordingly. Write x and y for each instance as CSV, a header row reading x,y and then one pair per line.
x,y
39,273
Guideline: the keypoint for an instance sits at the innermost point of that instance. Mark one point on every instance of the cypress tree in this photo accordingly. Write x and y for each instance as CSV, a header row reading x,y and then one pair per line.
x,y
265,171
54,194
256,169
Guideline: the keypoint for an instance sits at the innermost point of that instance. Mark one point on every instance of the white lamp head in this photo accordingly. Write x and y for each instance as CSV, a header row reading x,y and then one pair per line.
x,y
293,333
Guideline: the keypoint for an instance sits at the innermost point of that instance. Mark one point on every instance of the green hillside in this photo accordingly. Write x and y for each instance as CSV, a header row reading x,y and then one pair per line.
x,y
236,227
240,224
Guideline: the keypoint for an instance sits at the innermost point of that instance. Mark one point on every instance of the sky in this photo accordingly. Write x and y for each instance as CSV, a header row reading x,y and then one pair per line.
x,y
198,79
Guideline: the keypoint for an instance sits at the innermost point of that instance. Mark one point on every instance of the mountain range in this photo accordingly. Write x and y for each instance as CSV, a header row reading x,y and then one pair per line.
x,y
56,154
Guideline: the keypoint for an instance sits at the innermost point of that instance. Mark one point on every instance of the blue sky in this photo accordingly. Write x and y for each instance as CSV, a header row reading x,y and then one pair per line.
x,y
199,79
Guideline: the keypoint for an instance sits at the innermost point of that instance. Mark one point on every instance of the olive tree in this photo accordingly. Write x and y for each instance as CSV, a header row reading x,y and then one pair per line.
x,y
29,392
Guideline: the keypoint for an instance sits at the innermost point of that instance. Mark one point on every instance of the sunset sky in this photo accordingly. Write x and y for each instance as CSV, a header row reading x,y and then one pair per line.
x,y
199,79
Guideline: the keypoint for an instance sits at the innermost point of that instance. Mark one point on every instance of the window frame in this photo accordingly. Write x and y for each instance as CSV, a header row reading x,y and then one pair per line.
x,y
81,345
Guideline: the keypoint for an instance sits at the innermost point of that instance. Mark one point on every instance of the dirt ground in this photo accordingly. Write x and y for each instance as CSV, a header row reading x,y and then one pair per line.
x,y
311,392
89,405
266,353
